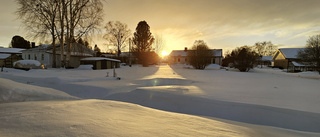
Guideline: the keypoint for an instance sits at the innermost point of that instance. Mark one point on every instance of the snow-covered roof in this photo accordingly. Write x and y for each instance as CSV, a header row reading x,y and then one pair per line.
x,y
178,53
11,50
76,49
99,58
266,58
290,52
4,56
297,64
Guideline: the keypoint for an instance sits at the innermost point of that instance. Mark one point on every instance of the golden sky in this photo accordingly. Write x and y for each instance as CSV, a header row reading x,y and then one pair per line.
x,y
222,24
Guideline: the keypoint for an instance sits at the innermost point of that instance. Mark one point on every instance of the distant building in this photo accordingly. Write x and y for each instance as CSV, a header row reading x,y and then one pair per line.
x,y
181,56
286,58
10,55
101,62
44,54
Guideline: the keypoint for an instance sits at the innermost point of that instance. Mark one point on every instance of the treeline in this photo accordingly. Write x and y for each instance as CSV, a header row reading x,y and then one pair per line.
x,y
245,57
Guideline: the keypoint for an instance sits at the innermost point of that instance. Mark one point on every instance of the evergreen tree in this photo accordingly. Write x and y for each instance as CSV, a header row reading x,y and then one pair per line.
x,y
143,40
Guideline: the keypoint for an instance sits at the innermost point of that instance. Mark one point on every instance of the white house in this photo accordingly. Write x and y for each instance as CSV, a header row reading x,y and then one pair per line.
x,y
44,54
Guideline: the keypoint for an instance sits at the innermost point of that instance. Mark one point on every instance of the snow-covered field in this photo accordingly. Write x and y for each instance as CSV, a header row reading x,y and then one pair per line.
x,y
159,101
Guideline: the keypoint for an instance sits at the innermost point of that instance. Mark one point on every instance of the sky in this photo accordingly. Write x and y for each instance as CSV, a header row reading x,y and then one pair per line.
x,y
222,24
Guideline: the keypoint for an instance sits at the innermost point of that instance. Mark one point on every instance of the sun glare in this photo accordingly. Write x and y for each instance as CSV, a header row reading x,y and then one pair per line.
x,y
164,53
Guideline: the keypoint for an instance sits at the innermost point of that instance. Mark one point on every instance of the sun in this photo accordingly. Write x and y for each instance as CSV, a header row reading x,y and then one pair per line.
x,y
164,53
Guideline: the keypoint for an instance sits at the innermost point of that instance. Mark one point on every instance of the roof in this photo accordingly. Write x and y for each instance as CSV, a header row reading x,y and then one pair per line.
x,y
216,52
76,49
11,50
297,64
290,53
4,56
266,58
99,58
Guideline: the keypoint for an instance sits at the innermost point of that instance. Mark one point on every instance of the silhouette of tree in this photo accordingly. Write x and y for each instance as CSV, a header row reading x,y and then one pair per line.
x,y
66,20
200,55
19,42
143,40
117,34
159,43
311,54
244,58
265,48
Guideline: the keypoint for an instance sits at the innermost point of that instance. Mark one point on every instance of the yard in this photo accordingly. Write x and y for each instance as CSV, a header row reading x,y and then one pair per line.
x,y
159,101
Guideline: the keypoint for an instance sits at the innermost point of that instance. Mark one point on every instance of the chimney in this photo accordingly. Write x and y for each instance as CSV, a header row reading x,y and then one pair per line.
x,y
185,49
33,45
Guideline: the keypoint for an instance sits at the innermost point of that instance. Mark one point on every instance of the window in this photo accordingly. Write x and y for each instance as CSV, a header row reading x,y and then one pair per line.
x,y
35,56
28,56
178,59
42,56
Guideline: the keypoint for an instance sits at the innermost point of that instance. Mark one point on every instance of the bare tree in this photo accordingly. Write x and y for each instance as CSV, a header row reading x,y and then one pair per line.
x,y
39,17
117,34
68,20
81,18
265,48
159,43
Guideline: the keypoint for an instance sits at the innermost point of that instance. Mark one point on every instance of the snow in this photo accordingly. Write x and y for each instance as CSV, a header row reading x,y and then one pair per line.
x,y
28,62
290,52
85,67
11,91
11,50
160,101
266,58
4,56
100,58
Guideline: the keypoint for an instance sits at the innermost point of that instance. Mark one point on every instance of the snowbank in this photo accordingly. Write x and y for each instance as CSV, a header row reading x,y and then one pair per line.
x,y
213,67
85,67
96,118
11,91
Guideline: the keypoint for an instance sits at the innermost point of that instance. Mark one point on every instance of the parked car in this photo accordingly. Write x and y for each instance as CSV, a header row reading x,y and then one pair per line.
x,y
28,64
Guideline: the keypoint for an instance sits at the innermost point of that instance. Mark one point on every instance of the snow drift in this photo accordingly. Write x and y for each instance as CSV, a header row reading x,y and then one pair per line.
x,y
11,91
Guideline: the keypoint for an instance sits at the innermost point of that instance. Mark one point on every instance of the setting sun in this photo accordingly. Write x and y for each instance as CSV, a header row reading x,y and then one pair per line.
x,y
164,53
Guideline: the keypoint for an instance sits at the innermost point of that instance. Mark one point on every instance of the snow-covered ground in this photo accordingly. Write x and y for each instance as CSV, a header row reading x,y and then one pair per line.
x,y
159,101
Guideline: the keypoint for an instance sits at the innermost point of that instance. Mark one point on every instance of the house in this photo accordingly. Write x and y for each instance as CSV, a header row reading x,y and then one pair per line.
x,y
181,56
286,58
100,62
9,55
44,54
266,60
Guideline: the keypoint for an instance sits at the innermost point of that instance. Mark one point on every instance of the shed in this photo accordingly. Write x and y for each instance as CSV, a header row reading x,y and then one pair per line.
x,y
101,62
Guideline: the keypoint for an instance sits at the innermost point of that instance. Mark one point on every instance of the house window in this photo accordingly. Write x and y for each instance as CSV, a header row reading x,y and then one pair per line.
x,y
35,57
42,56
178,59
28,56
186,60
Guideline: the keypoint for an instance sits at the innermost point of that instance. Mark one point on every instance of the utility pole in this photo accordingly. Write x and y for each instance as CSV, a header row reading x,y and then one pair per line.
x,y
130,52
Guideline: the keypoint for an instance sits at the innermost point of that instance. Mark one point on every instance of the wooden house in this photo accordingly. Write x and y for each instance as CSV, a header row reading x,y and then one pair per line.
x,y
286,58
